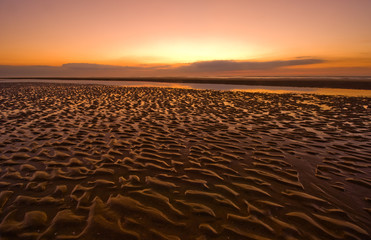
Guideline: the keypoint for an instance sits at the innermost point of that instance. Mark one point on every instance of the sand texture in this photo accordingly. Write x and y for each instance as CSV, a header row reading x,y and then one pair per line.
x,y
103,162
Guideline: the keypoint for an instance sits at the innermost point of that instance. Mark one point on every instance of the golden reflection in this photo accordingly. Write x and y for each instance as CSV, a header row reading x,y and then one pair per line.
x,y
160,85
345,92
320,91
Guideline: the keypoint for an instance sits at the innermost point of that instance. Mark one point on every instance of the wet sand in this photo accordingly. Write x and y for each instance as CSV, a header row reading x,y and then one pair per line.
x,y
105,162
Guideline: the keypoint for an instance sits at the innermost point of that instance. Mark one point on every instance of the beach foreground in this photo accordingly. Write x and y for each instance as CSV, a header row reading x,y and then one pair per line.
x,y
104,162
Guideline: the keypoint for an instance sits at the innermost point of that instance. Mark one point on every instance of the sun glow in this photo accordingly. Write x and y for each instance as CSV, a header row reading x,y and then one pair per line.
x,y
178,52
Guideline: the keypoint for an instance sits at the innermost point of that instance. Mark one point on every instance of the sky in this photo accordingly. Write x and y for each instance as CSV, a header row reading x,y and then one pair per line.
x,y
185,38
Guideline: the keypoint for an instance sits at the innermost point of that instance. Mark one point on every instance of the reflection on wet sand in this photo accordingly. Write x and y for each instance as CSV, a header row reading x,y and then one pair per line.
x,y
162,85
320,91
344,92
108,162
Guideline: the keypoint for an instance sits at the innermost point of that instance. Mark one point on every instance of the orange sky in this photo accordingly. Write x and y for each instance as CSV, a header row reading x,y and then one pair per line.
x,y
148,33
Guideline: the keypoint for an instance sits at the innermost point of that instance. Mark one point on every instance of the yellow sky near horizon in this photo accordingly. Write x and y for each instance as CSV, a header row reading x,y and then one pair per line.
x,y
164,32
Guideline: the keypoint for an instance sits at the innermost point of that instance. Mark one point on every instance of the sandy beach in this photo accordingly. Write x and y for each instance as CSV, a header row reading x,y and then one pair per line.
x,y
106,162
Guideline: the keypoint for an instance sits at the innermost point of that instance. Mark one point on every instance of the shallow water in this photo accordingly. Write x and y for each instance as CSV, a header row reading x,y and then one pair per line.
x,y
205,86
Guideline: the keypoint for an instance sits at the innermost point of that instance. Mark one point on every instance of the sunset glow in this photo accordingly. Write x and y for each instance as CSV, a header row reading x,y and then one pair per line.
x,y
173,33
180,51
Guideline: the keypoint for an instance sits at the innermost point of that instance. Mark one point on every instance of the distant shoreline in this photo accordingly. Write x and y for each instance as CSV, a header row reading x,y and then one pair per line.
x,y
316,82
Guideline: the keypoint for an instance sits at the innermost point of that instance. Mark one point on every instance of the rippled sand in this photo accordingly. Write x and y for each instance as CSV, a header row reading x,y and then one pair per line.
x,y
101,162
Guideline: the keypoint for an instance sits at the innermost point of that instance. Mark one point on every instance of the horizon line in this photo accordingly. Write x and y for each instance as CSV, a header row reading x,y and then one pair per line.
x,y
313,82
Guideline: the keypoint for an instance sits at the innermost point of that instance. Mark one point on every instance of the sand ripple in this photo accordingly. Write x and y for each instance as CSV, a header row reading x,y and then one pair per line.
x,y
101,162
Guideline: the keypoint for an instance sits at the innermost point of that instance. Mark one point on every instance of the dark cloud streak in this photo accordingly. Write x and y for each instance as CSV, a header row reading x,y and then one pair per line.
x,y
222,66
92,70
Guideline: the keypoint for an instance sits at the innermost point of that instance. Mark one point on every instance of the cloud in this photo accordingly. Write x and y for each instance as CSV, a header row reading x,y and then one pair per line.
x,y
70,70
102,70
226,65
9,71
93,66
